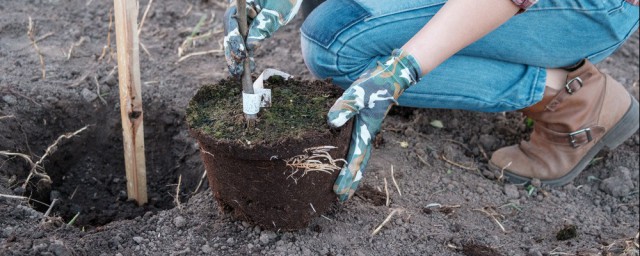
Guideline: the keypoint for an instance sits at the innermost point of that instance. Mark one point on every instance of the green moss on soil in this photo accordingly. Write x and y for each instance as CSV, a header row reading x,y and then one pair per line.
x,y
297,107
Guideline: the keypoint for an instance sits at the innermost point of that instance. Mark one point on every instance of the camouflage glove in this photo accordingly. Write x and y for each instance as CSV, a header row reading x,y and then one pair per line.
x,y
264,18
369,99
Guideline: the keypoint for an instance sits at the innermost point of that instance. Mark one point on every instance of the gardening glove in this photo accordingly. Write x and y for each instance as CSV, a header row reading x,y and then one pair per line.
x,y
264,17
369,99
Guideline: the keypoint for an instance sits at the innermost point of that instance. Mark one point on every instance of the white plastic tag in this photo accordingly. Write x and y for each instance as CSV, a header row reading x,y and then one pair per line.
x,y
261,97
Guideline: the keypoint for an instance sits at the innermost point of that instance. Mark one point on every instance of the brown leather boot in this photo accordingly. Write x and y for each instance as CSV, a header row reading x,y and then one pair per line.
x,y
571,126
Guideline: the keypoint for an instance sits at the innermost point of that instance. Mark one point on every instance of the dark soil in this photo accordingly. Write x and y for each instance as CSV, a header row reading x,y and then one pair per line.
x,y
255,173
602,202
479,250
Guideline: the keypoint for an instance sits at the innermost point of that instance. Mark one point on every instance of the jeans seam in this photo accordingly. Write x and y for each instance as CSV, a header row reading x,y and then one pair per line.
x,y
617,44
372,17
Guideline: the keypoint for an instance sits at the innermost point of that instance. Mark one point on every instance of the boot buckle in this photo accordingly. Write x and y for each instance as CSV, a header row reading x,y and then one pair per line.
x,y
573,137
568,88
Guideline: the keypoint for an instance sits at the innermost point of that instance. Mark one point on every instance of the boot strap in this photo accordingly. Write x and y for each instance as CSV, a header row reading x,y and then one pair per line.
x,y
574,139
571,87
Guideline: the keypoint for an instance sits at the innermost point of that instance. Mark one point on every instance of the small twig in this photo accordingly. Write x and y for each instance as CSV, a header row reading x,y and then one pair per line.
x,y
74,193
197,53
312,208
176,200
492,215
22,198
386,220
6,117
484,154
457,164
108,46
188,10
95,79
326,217
386,192
30,34
459,143
76,44
46,214
422,160
393,178
502,171
73,220
144,48
144,16
187,41
44,36
204,175
91,70
24,96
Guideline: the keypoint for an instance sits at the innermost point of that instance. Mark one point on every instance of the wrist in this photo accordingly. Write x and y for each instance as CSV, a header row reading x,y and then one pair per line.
x,y
410,66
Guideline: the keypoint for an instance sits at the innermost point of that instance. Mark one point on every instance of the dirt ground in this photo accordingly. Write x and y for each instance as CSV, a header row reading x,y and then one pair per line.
x,y
455,206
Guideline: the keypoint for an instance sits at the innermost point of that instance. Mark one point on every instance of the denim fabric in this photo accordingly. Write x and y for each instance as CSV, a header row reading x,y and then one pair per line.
x,y
504,71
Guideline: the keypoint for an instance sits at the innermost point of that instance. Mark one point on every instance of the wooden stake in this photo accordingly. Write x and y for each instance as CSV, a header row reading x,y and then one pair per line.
x,y
247,84
126,12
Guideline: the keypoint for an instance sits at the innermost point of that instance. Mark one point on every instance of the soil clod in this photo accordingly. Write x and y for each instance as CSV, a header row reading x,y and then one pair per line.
x,y
568,232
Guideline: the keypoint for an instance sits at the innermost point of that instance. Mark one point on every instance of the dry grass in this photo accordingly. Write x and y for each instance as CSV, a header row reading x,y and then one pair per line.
x,y
315,159
386,220
624,247
395,183
491,212
31,35
457,164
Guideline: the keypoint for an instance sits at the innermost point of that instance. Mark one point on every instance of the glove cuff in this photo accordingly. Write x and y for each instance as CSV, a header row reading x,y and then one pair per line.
x,y
409,63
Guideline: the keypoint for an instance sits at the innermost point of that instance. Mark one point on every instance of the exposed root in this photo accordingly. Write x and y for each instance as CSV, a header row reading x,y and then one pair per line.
x,y
315,159
489,211
95,79
31,35
36,168
176,199
204,175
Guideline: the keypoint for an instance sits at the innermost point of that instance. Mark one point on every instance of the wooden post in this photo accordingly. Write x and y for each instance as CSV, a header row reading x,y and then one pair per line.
x,y
126,14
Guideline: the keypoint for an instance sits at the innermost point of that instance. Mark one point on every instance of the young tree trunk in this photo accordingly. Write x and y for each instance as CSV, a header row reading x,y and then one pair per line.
x,y
247,84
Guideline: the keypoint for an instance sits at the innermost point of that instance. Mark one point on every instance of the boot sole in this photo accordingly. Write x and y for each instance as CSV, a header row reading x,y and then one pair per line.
x,y
625,128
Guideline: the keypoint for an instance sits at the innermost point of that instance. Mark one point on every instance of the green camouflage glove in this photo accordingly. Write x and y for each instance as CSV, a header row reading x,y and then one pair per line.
x,y
264,18
369,99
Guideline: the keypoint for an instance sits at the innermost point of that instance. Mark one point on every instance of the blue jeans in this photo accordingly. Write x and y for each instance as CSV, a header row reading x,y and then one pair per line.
x,y
503,71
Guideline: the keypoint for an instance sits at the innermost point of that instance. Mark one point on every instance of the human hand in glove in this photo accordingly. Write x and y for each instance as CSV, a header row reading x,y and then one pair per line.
x,y
369,99
264,18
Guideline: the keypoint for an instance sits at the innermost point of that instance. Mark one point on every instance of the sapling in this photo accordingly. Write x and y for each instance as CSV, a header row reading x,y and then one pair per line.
x,y
247,84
